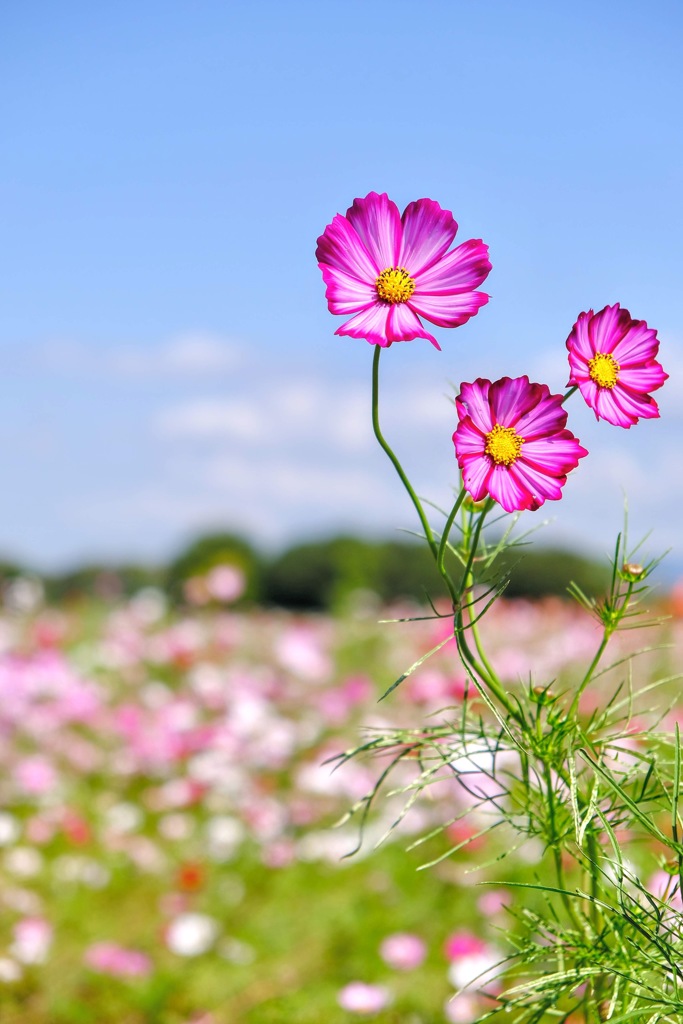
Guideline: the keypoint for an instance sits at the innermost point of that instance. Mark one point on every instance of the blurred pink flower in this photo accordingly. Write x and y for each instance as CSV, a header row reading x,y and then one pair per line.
x,y
436,688
463,1008
471,960
35,775
359,997
403,951
117,961
388,270
463,943
666,888
511,443
336,702
32,938
612,361
302,651
225,583
493,901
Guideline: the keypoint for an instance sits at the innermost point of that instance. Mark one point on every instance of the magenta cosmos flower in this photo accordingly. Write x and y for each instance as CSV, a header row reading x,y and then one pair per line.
x,y
511,443
389,270
612,360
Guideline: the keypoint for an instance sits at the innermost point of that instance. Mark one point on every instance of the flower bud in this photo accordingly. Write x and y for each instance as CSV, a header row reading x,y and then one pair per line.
x,y
543,694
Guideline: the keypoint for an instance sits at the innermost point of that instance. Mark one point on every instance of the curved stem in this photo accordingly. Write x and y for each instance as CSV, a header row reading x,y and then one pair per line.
x,y
446,530
569,393
388,451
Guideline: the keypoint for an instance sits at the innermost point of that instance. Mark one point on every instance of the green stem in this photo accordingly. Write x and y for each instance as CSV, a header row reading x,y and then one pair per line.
x,y
483,669
388,451
589,674
468,580
557,850
569,393
446,530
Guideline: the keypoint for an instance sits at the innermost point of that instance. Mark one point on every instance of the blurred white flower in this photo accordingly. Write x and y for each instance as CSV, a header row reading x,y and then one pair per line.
x,y
24,861
191,934
237,952
462,1009
24,594
475,967
9,828
359,997
176,826
123,818
149,605
9,970
74,868
224,835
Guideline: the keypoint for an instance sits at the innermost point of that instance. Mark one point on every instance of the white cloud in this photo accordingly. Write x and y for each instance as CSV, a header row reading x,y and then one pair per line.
x,y
195,354
191,355
311,412
210,419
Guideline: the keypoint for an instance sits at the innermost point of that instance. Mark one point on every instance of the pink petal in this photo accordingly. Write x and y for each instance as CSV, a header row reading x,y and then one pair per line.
x,y
556,455
461,270
589,391
513,397
370,324
403,325
448,310
475,476
346,294
579,339
468,440
339,246
605,407
578,369
538,485
377,221
428,231
634,405
642,378
473,401
548,417
509,491
639,345
608,327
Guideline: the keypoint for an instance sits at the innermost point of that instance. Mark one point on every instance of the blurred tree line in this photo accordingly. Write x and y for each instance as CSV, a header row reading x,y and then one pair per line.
x,y
321,575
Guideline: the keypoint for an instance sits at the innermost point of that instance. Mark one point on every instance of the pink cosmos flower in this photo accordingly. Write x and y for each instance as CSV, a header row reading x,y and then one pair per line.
x,y
32,939
511,443
403,951
388,270
612,360
118,961
359,997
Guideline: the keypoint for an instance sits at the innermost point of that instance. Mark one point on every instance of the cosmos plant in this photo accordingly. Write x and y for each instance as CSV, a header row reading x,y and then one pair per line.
x,y
588,942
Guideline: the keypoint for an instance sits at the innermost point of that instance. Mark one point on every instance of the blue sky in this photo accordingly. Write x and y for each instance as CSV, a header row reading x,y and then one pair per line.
x,y
168,361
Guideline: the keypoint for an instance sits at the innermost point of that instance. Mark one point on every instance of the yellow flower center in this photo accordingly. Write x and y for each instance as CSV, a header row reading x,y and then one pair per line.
x,y
603,369
504,445
394,285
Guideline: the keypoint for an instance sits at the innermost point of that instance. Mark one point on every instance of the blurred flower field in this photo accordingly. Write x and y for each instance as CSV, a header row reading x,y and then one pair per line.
x,y
166,843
